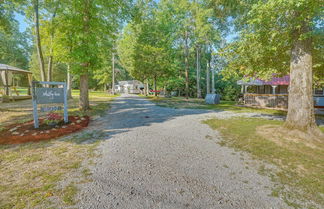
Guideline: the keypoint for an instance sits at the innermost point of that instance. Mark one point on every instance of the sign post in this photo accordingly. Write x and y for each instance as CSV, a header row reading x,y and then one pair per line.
x,y
46,95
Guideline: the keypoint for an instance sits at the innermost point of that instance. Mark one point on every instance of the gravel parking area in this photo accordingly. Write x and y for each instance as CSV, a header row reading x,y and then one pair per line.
x,y
156,157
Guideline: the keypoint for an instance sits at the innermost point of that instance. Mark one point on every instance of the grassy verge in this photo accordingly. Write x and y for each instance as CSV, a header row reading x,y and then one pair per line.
x,y
21,111
93,93
31,173
194,103
300,163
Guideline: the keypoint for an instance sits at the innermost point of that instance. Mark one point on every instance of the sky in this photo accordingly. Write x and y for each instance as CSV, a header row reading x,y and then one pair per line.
x,y
23,25
22,22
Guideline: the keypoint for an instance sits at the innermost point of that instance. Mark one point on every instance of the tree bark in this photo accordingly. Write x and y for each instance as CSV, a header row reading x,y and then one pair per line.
x,y
207,78
213,81
147,88
84,93
187,64
155,93
84,87
198,72
301,114
50,67
113,74
50,59
69,83
38,42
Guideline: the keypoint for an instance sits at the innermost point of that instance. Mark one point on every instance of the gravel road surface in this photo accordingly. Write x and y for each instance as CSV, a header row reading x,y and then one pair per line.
x,y
156,157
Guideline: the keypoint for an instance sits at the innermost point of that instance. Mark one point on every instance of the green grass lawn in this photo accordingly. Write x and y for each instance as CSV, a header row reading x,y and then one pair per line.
x,y
22,91
94,93
31,172
300,163
194,103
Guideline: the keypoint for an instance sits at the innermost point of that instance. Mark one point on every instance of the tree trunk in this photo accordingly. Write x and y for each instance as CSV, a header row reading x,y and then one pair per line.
x,y
213,81
187,64
113,74
50,60
38,42
147,88
84,93
69,83
49,69
198,73
155,93
84,87
300,99
207,78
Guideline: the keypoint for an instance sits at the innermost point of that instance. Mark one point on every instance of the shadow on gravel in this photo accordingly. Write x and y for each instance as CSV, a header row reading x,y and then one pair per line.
x,y
129,112
132,111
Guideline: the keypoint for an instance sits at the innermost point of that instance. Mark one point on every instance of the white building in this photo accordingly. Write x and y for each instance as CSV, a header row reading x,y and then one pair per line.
x,y
129,87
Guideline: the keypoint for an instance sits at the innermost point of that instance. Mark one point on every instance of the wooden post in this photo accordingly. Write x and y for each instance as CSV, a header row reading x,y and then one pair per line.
x,y
7,83
35,113
274,89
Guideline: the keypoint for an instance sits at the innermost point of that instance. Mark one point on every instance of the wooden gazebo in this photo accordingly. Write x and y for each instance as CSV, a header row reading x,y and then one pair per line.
x,y
6,80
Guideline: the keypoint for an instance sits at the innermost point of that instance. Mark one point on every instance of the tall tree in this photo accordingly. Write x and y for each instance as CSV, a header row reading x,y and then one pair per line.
x,y
38,40
276,36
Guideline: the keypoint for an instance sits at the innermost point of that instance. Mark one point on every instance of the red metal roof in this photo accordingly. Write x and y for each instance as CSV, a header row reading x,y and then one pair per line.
x,y
273,82
278,81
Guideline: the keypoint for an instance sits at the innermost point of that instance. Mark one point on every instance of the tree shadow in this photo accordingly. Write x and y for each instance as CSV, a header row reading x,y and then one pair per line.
x,y
129,112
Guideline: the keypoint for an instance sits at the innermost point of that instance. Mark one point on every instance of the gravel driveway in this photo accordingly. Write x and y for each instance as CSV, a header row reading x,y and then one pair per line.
x,y
156,157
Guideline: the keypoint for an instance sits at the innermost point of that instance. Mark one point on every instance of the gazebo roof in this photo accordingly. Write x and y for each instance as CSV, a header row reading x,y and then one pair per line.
x,y
273,82
13,69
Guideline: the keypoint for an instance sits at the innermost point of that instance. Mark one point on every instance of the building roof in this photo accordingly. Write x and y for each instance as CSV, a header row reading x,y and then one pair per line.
x,y
13,69
259,82
129,82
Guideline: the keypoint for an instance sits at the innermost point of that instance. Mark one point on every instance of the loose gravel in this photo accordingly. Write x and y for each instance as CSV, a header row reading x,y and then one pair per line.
x,y
156,157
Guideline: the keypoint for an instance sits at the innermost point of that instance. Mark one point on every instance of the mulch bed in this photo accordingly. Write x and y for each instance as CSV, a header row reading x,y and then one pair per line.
x,y
25,132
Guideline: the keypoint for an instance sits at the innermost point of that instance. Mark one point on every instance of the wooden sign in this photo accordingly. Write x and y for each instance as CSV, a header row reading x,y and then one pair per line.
x,y
49,95
50,109
46,95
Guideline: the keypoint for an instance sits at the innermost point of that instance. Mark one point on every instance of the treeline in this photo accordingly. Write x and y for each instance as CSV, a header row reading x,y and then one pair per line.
x,y
173,45
69,40
177,45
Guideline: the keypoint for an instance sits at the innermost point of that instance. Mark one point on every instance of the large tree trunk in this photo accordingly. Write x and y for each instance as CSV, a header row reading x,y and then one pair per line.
x,y
187,64
198,72
300,100
84,93
69,83
38,42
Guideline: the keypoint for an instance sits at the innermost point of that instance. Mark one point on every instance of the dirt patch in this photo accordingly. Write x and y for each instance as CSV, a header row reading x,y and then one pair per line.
x,y
282,136
25,132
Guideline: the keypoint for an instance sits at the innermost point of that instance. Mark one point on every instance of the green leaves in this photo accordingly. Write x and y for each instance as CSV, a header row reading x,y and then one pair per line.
x,y
267,31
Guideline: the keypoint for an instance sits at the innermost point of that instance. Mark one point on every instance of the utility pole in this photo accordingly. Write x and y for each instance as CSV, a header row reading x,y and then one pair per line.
x,y
113,74
198,73
213,81
207,78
